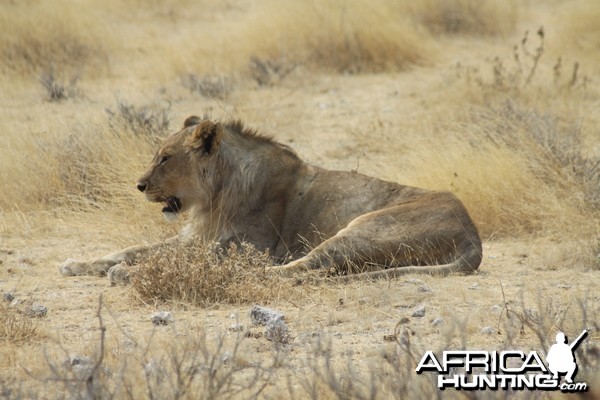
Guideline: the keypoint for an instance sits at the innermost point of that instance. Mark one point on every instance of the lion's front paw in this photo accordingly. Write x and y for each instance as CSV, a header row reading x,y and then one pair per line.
x,y
290,269
119,274
72,267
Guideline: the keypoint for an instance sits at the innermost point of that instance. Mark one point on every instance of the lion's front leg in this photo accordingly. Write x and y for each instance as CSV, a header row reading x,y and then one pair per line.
x,y
118,260
100,266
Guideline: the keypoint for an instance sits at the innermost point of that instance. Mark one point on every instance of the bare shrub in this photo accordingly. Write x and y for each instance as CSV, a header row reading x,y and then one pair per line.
x,y
553,146
203,274
473,17
146,121
57,89
194,367
210,86
515,74
269,72
15,326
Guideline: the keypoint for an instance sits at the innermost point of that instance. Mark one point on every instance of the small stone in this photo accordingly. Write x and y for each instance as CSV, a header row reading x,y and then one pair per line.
x,y
81,366
161,318
488,330
262,315
564,286
37,311
496,308
390,338
8,296
237,327
424,289
437,321
419,312
474,286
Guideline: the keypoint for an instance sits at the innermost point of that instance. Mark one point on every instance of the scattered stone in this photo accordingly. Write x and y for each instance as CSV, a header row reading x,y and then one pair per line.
x,y
419,312
161,318
237,327
390,338
78,360
424,289
437,321
233,316
564,286
81,366
488,330
275,328
474,286
37,311
262,315
253,335
8,296
496,308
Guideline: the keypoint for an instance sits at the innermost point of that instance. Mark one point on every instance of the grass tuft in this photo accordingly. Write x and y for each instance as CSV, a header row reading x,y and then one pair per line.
x,y
15,326
203,275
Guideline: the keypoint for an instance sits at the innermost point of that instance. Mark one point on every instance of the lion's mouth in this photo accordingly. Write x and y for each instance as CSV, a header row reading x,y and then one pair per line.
x,y
173,205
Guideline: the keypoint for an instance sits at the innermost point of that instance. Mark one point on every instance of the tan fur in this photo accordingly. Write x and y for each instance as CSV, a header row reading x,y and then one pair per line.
x,y
239,186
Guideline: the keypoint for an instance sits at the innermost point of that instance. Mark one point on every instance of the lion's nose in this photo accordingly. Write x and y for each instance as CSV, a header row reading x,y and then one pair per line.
x,y
142,186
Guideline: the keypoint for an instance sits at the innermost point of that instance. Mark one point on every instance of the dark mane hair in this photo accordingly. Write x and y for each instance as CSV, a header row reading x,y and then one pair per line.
x,y
236,126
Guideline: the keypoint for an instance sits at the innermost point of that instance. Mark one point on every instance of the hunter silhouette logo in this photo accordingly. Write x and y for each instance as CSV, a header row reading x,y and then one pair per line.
x,y
561,358
507,370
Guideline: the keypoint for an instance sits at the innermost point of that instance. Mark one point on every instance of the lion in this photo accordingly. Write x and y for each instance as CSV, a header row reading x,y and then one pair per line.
x,y
238,186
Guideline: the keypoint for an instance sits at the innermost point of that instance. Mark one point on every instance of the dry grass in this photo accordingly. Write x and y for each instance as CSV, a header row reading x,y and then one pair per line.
x,y
205,275
350,36
16,327
38,35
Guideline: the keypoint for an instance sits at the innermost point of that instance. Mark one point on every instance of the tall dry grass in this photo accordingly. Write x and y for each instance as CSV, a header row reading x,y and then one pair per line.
x,y
37,36
337,36
519,171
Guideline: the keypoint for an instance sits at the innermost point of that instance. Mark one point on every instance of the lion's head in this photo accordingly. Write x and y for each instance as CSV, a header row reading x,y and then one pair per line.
x,y
181,174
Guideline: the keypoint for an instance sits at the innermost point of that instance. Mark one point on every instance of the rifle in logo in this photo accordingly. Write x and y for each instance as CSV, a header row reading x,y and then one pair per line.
x,y
561,356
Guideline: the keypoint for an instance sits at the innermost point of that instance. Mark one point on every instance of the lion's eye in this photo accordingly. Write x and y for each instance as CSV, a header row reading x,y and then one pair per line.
x,y
163,160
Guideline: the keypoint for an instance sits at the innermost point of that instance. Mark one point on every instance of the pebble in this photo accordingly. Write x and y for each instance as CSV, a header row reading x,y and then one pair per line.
x,y
37,311
161,318
419,312
488,330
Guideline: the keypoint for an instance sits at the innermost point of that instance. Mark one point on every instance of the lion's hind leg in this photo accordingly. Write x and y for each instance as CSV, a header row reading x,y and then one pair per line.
x,y
438,238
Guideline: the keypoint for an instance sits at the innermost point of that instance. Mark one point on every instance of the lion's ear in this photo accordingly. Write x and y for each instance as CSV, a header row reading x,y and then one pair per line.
x,y
206,138
190,121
